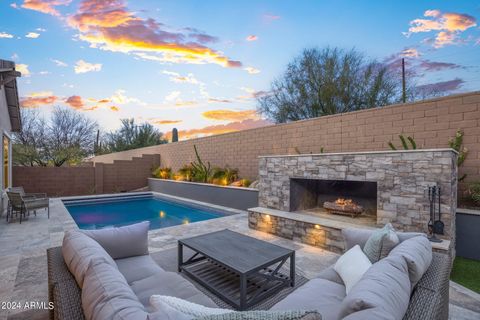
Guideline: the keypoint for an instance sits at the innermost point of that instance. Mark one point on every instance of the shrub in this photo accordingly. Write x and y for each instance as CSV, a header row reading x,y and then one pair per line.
x,y
474,191
413,144
456,144
224,176
185,173
163,173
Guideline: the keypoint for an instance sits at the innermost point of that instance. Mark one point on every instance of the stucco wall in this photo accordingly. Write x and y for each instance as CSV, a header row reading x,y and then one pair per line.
x,y
430,122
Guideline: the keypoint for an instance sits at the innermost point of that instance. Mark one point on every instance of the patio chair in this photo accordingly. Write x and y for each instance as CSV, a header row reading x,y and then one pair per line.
x,y
27,195
23,205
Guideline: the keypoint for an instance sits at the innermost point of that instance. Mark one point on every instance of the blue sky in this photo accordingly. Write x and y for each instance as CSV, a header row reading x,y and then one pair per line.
x,y
198,65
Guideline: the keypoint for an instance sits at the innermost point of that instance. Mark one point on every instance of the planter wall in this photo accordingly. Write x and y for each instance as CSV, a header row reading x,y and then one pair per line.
x,y
232,197
468,233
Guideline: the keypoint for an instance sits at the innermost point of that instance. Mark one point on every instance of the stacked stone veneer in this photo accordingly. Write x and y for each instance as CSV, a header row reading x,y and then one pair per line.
x,y
402,179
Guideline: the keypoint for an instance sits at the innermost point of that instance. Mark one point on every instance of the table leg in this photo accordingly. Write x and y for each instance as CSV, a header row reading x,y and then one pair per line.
x,y
243,291
180,256
292,269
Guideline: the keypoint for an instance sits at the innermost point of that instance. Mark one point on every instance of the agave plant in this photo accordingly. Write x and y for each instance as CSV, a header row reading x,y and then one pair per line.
x,y
224,176
185,173
405,142
163,173
201,172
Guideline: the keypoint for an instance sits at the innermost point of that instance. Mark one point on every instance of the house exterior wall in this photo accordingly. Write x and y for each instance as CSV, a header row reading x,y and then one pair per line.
x,y
5,129
432,123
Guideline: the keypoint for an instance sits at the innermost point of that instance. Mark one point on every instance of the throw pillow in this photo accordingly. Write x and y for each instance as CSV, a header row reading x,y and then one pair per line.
x,y
266,315
417,252
123,242
351,266
380,243
385,286
176,308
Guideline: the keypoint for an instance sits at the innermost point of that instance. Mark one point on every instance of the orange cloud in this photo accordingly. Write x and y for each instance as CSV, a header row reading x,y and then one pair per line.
x,y
75,102
230,115
216,100
108,25
45,6
252,38
23,69
448,26
38,99
103,101
83,67
114,108
165,122
219,129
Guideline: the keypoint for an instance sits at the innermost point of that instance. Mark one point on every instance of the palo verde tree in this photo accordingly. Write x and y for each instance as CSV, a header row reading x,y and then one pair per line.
x,y
131,136
327,81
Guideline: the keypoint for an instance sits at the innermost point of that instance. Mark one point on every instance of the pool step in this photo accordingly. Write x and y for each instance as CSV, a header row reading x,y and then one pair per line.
x,y
107,198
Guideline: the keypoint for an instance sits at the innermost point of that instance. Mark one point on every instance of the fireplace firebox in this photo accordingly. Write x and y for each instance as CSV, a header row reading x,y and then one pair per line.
x,y
341,197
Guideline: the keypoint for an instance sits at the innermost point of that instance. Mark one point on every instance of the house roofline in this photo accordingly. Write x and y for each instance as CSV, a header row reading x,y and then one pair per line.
x,y
8,80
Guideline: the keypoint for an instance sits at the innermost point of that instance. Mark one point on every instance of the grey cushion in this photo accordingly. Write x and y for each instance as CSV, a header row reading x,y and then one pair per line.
x,y
354,236
385,285
369,314
106,294
137,268
78,250
266,315
169,284
123,242
331,275
380,243
317,294
417,252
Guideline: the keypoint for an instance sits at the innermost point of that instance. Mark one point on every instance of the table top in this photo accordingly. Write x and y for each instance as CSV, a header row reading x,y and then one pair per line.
x,y
235,250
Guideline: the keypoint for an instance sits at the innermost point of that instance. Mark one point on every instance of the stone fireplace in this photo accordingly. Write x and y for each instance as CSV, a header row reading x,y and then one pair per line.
x,y
390,187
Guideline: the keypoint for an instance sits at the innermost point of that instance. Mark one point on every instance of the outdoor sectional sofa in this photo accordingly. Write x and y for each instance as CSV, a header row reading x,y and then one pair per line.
x,y
128,272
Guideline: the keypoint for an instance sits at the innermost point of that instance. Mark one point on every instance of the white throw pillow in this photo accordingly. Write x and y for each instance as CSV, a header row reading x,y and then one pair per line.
x,y
173,308
351,266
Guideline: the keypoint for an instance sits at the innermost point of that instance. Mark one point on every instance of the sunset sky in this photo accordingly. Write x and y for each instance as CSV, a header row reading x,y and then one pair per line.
x,y
198,65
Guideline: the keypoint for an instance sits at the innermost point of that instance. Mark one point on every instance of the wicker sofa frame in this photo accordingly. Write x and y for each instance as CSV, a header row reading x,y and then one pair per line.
x,y
429,300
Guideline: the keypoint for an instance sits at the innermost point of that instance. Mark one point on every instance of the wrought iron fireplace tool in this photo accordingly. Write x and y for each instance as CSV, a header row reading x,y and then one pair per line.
x,y
434,226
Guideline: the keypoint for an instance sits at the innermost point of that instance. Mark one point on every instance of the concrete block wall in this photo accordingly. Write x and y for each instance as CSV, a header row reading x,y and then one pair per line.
x,y
98,178
431,123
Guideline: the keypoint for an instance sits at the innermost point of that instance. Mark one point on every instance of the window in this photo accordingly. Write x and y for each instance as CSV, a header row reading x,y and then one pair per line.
x,y
6,167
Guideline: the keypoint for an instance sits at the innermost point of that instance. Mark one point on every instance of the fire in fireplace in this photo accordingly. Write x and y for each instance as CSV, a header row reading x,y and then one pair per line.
x,y
350,198
345,207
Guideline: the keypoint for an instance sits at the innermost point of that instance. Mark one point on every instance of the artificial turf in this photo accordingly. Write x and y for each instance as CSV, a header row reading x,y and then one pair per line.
x,y
467,273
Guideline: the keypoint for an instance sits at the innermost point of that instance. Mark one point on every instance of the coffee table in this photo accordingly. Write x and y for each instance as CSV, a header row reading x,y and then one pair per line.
x,y
239,269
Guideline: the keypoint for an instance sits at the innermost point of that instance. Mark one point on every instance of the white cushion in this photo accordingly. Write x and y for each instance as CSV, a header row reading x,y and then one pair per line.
x,y
178,309
351,266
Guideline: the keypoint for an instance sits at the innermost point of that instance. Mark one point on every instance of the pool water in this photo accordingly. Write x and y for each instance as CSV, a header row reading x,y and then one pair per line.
x,y
119,212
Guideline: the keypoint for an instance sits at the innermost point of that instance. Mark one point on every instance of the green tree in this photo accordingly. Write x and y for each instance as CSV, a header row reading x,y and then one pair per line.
x,y
327,81
131,136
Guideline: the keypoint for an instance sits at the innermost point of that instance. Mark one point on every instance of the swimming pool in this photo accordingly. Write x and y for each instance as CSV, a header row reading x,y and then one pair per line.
x,y
119,211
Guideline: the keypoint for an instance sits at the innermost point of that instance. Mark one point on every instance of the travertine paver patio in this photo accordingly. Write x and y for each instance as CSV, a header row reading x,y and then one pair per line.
x,y
23,263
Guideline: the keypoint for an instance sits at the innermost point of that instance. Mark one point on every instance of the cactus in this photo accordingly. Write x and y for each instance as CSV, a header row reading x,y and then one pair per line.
x,y
174,135
404,142
456,144
200,171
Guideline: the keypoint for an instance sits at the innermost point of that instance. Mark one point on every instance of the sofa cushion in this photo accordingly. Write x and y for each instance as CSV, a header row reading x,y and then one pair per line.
x,y
123,242
137,268
107,295
351,266
353,236
179,309
317,294
385,285
380,243
369,314
78,250
331,275
169,284
417,252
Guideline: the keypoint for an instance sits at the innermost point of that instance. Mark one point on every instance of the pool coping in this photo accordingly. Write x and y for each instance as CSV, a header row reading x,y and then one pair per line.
x,y
222,209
